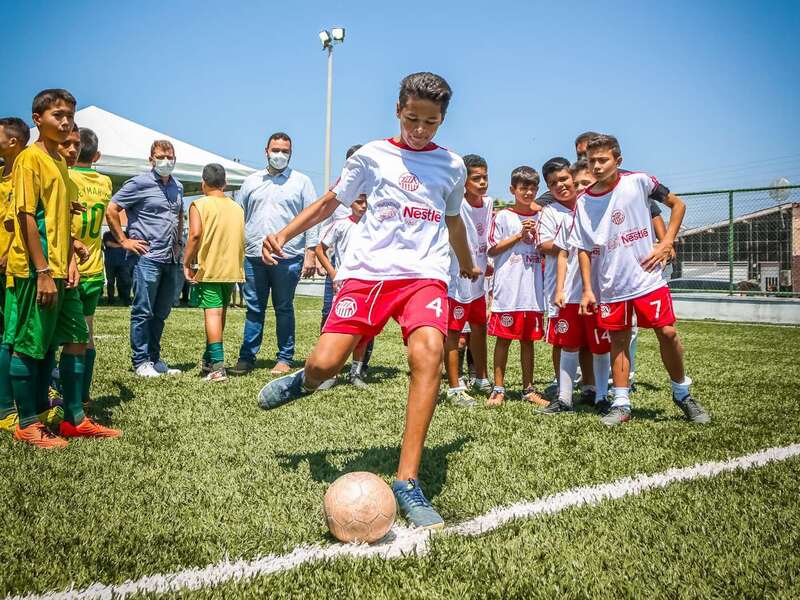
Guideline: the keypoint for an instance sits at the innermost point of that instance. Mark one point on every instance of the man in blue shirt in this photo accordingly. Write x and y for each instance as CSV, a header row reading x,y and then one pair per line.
x,y
153,203
271,198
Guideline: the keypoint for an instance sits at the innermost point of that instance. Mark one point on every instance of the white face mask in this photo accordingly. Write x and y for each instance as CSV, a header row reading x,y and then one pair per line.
x,y
278,160
164,166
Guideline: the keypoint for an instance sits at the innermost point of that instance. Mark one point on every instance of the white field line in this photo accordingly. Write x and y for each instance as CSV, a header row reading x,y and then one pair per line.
x,y
404,542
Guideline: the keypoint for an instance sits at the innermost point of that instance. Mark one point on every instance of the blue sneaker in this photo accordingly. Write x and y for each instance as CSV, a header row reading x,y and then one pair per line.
x,y
414,506
282,390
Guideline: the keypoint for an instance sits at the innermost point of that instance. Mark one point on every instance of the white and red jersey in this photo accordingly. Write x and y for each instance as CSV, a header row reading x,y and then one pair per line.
x,y
517,282
403,234
555,224
337,237
617,228
477,222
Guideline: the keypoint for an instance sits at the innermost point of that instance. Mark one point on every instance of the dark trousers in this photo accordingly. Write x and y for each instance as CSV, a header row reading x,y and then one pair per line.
x,y
119,280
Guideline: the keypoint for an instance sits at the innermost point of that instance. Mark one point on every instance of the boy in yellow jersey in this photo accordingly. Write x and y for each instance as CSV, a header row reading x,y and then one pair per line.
x,y
214,260
48,314
14,136
94,194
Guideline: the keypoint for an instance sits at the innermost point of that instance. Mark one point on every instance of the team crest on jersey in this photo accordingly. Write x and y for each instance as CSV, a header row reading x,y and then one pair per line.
x,y
562,326
387,209
605,311
458,312
507,320
479,228
345,308
408,181
617,217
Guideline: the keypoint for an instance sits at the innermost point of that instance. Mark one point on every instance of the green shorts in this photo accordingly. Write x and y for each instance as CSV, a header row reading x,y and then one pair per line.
x,y
90,290
211,295
33,330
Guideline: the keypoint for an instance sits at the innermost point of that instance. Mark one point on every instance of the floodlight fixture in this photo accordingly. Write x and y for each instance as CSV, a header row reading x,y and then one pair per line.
x,y
338,34
325,38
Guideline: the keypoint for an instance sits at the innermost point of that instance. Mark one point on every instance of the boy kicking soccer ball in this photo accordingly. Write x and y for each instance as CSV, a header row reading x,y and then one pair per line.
x,y
466,299
614,233
213,261
397,267
518,298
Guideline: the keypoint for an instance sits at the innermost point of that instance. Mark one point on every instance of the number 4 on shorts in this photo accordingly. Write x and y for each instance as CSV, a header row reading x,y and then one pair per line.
x,y
436,306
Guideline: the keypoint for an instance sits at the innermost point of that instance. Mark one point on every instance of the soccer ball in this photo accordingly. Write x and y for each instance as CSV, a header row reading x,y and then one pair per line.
x,y
359,507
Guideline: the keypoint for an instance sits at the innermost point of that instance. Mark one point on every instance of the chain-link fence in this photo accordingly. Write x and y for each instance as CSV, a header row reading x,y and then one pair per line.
x,y
744,241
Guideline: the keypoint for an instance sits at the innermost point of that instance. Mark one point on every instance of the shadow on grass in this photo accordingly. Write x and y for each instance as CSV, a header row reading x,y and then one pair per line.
x,y
101,407
380,460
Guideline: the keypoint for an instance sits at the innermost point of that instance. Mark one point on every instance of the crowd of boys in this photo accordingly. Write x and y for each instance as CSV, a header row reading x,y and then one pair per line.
x,y
423,244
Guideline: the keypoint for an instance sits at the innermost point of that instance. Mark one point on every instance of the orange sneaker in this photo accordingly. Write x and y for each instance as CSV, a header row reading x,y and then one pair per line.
x,y
87,428
38,435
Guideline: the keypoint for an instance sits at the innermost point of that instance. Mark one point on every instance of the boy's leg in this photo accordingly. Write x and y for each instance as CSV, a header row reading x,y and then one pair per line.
x,y
526,362
500,360
89,290
568,372
632,352
620,411
451,359
588,382
477,345
672,357
424,357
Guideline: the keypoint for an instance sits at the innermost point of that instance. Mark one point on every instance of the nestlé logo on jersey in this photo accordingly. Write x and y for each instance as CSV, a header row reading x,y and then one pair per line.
x,y
634,235
408,181
413,214
345,308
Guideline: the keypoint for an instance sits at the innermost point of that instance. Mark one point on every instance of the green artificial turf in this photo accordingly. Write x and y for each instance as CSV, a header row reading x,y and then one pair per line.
x,y
201,473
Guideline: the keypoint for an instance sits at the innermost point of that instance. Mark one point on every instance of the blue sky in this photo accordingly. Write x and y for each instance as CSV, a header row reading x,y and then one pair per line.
x,y
702,94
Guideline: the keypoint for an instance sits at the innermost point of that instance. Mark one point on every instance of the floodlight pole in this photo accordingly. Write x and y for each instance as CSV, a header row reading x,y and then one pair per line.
x,y
328,119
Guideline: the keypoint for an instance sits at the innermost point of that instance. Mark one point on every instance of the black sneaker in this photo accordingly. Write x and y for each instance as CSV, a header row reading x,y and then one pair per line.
x,y
556,407
587,397
243,367
602,406
692,410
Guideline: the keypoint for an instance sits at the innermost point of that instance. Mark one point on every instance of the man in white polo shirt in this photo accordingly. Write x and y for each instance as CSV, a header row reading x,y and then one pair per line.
x,y
271,198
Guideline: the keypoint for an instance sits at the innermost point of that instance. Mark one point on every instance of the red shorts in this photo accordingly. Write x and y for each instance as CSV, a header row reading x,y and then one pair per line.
x,y
364,307
652,310
517,325
570,330
473,313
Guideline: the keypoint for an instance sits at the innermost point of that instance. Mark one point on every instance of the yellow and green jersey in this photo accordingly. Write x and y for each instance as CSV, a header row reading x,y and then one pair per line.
x,y
5,198
94,194
220,257
41,187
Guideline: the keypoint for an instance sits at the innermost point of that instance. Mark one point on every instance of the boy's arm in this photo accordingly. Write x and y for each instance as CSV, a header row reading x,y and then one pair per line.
x,y
192,243
312,235
308,217
46,291
663,250
458,240
588,300
505,244
322,257
559,297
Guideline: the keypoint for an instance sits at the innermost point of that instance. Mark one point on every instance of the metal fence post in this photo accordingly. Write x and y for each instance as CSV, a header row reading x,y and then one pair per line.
x,y
730,243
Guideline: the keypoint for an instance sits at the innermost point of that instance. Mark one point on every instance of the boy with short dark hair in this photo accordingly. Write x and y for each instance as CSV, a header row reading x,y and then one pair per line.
x,y
48,314
94,194
214,261
466,299
14,136
518,299
336,238
568,331
397,268
614,233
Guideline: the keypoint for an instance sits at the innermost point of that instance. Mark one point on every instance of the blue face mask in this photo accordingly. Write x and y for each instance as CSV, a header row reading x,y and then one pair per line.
x,y
279,160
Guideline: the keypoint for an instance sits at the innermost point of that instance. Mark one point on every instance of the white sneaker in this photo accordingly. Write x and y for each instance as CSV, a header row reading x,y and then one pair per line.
x,y
147,370
327,384
162,368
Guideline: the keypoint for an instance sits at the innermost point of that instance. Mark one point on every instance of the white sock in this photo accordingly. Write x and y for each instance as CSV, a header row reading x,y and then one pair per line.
x,y
601,364
681,390
621,397
481,381
355,367
452,390
566,375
